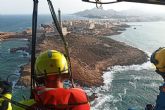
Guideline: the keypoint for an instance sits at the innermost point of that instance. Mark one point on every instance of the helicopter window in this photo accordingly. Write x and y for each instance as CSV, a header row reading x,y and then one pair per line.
x,y
109,49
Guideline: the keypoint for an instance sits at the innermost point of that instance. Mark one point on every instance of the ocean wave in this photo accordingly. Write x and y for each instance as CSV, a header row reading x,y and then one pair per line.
x,y
24,39
99,102
108,76
133,84
153,85
146,66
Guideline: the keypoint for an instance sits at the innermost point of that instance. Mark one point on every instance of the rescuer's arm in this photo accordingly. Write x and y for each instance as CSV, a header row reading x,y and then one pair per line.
x,y
160,105
6,91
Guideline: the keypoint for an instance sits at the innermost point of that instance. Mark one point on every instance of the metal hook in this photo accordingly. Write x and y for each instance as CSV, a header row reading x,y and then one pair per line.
x,y
98,4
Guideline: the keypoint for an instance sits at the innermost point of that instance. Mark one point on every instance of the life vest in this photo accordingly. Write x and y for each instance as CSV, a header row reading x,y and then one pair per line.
x,y
60,99
8,104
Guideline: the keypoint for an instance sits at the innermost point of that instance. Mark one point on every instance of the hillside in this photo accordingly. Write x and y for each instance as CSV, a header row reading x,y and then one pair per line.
x,y
125,15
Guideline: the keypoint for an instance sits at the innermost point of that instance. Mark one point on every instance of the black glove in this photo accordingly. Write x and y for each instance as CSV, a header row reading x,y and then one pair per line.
x,y
6,87
161,73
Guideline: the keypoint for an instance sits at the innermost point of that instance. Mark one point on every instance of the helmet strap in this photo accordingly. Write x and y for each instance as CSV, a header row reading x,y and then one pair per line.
x,y
45,73
45,76
59,71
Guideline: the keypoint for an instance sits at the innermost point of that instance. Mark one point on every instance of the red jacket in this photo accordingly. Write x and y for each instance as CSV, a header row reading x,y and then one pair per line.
x,y
61,99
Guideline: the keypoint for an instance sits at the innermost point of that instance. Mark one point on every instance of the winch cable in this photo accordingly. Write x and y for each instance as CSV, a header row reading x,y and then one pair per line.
x,y
33,48
98,1
59,29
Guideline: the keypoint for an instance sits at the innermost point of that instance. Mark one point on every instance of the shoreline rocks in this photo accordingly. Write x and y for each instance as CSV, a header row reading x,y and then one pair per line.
x,y
14,50
11,35
25,78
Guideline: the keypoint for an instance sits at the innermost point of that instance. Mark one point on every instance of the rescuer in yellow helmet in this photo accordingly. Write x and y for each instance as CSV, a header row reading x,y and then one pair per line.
x,y
158,59
51,69
51,62
51,65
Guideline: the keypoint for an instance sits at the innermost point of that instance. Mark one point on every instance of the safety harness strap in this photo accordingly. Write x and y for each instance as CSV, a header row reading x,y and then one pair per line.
x,y
59,29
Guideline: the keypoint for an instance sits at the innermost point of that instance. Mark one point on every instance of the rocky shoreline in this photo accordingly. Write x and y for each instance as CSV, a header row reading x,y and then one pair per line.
x,y
91,53
11,35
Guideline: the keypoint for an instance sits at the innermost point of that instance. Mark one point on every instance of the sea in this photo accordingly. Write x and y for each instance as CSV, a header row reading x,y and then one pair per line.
x,y
132,87
124,87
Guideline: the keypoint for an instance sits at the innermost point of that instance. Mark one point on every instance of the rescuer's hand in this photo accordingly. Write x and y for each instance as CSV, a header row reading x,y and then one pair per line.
x,y
5,87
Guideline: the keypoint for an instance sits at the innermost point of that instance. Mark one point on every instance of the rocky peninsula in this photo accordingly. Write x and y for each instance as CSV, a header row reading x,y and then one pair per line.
x,y
90,50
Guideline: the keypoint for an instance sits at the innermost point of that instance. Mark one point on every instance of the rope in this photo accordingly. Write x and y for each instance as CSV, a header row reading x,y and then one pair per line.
x,y
58,27
34,31
98,4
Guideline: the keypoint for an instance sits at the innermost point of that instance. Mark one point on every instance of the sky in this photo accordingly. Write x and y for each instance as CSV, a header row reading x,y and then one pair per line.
x,y
68,6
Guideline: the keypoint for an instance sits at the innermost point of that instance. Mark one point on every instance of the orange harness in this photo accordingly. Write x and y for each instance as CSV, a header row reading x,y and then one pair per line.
x,y
61,99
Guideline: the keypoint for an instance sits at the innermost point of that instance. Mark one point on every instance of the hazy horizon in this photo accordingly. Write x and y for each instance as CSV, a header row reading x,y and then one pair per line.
x,y
132,10
25,7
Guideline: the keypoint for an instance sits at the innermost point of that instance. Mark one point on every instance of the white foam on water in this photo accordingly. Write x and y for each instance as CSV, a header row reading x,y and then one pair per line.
x,y
146,65
24,39
133,84
99,102
153,85
108,78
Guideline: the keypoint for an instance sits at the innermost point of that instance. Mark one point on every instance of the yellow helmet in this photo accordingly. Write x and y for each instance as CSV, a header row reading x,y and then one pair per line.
x,y
158,59
51,62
